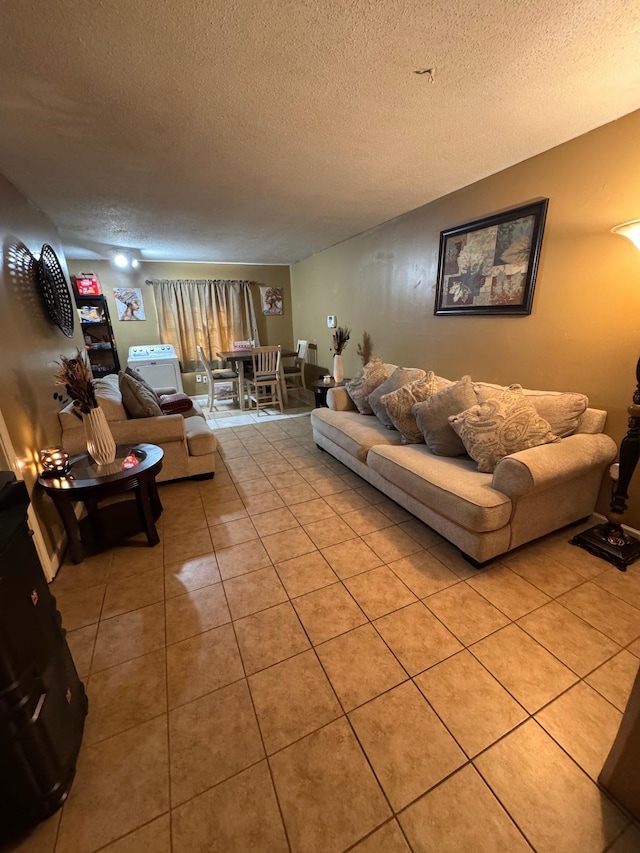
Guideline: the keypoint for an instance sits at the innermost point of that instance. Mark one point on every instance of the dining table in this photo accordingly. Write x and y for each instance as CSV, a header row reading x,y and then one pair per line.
x,y
240,357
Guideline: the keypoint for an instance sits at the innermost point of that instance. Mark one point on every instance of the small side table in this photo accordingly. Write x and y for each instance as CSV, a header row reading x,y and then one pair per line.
x,y
90,483
320,391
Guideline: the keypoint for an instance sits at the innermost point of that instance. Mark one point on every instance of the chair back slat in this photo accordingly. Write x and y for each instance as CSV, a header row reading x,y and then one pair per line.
x,y
266,360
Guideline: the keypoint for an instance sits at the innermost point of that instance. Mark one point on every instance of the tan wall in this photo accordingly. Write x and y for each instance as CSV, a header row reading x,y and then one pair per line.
x,y
584,331
272,330
30,345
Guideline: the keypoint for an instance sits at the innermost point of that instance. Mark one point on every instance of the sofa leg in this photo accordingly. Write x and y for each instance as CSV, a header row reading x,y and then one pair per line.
x,y
475,563
204,476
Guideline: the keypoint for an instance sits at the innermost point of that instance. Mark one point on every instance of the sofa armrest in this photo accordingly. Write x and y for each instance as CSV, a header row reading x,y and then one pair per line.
x,y
155,430
541,467
339,400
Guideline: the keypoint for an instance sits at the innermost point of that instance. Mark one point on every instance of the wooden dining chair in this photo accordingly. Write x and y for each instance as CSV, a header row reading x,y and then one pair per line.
x,y
294,373
247,368
218,376
264,384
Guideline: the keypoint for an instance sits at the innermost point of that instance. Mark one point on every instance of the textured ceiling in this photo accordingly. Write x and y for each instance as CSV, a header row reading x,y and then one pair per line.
x,y
265,130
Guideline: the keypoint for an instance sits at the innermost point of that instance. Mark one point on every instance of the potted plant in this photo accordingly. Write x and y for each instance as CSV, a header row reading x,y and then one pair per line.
x,y
340,339
75,375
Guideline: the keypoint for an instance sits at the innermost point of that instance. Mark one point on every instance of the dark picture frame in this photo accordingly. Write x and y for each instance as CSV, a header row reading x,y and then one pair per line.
x,y
489,266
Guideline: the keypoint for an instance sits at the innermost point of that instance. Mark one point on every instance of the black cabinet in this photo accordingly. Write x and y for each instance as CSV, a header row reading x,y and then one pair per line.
x,y
42,700
98,334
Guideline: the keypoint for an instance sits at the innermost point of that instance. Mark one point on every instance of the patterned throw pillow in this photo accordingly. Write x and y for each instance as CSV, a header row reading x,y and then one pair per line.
x,y
563,409
401,376
399,406
500,426
367,380
433,414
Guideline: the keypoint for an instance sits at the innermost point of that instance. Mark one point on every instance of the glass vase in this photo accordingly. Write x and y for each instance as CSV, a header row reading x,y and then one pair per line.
x,y
100,442
338,369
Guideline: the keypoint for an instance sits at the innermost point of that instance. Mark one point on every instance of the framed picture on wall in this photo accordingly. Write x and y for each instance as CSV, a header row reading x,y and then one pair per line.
x,y
271,300
489,266
129,303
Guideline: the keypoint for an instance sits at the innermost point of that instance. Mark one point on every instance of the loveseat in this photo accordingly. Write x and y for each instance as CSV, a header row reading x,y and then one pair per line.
x,y
528,494
188,442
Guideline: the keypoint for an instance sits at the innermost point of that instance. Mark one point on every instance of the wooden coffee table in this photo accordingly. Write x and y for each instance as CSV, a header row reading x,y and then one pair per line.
x,y
134,470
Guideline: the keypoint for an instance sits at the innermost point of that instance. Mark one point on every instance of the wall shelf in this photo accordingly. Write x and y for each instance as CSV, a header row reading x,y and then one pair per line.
x,y
97,331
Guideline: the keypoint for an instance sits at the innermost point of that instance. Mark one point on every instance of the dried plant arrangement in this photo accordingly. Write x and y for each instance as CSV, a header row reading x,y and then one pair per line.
x,y
340,339
75,375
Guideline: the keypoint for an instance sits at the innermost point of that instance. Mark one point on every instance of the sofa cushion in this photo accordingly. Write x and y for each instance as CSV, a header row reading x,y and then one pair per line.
x,y
364,382
200,438
399,406
351,432
138,402
400,376
562,409
450,487
500,426
130,371
432,417
109,397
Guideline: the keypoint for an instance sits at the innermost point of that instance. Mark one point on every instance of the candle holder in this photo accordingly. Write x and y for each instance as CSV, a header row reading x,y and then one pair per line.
x,y
55,462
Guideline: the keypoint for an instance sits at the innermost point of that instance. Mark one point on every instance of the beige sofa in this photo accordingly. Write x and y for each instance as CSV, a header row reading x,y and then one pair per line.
x,y
529,494
188,443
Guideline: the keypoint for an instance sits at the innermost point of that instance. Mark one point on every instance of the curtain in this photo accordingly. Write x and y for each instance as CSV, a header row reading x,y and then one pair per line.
x,y
203,312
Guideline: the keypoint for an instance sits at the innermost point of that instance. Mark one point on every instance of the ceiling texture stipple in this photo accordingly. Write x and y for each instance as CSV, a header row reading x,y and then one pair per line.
x,y
266,130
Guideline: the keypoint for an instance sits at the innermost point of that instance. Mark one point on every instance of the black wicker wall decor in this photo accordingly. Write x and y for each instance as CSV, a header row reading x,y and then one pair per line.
x,y
54,290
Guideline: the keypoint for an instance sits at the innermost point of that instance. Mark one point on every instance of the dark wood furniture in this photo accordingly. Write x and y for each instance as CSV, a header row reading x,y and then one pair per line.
x,y
134,470
98,335
42,700
320,389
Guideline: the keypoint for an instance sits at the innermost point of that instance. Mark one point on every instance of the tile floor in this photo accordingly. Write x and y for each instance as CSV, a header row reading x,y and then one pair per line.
x,y
302,666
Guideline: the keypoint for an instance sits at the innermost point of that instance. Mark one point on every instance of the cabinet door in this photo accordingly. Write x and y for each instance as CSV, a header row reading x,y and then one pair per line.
x,y
40,736
30,626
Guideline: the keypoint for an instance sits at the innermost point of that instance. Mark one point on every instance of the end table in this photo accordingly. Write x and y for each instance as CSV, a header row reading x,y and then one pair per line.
x,y
320,389
134,470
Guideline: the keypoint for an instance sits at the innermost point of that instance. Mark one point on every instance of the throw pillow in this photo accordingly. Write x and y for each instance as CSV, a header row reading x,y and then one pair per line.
x,y
366,380
399,406
130,371
432,417
563,409
401,376
138,402
500,426
175,404
109,398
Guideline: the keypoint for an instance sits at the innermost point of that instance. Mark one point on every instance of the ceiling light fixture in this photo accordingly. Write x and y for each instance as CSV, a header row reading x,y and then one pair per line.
x,y
121,260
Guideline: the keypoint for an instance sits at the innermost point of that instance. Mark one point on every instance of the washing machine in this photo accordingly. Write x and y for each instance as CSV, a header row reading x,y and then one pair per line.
x,y
158,364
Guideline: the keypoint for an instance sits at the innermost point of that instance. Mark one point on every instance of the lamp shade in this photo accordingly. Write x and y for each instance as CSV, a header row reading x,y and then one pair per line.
x,y
630,230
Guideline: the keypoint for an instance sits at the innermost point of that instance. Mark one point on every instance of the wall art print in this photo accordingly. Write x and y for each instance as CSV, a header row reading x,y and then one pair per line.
x,y
129,304
489,266
271,300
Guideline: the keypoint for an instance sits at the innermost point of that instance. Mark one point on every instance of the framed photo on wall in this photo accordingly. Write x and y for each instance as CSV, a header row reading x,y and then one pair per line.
x,y
271,300
129,304
489,266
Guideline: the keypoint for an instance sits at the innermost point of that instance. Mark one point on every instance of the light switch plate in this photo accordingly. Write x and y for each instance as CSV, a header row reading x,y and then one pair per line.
x,y
331,321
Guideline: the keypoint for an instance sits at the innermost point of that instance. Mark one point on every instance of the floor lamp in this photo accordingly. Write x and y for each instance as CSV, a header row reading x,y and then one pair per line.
x,y
609,541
